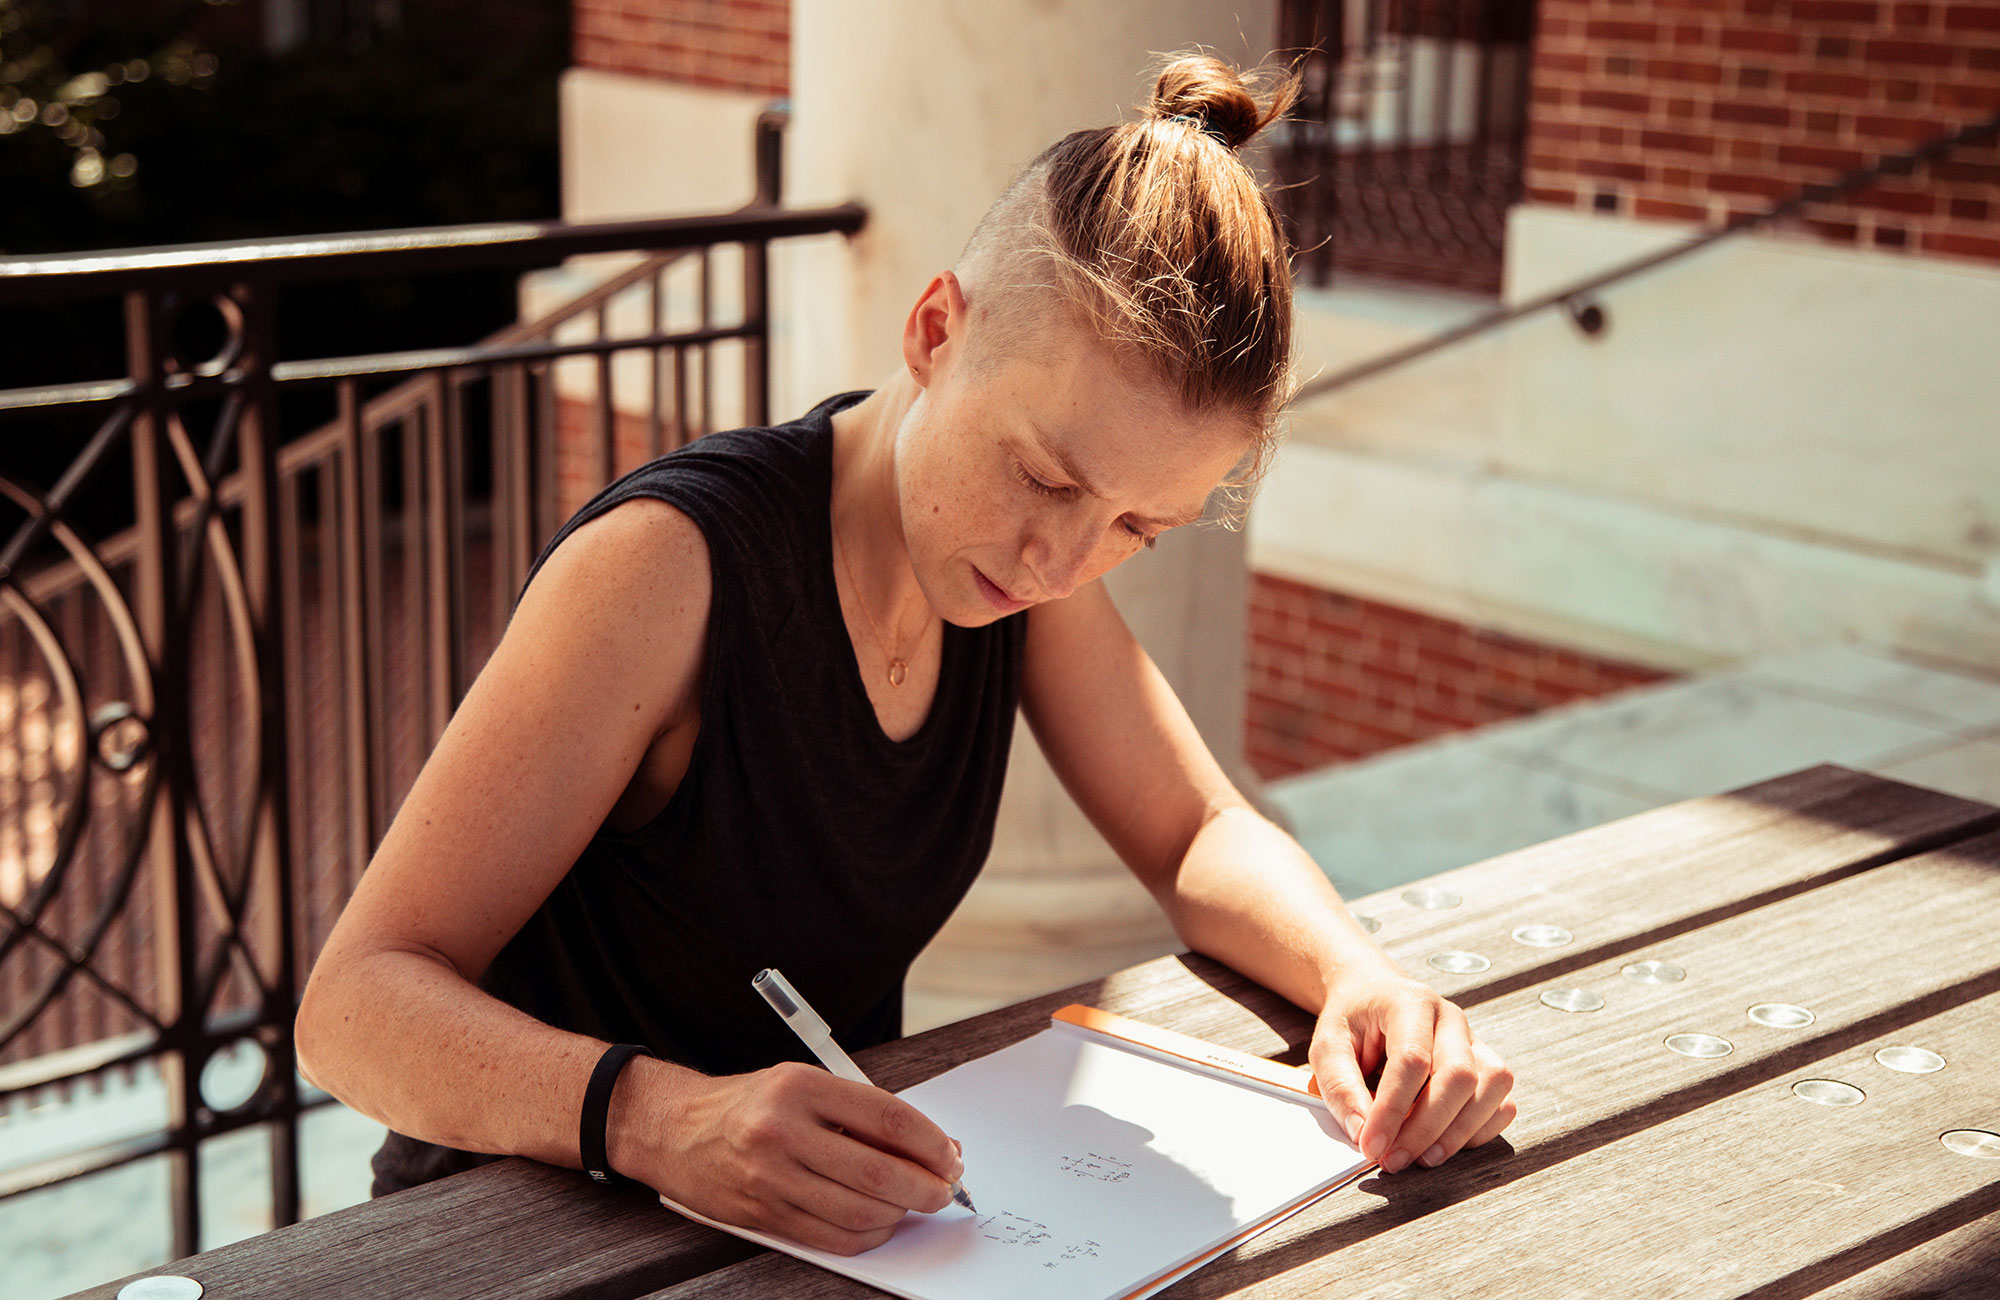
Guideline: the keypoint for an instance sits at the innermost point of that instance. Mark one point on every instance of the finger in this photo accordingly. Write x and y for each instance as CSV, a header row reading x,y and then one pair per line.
x,y
836,1204
1453,1085
888,1123
1489,1093
880,1175
808,1229
1336,1065
1407,1048
1502,1117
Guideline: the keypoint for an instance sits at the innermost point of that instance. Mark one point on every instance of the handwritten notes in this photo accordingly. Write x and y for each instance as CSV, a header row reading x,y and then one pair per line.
x,y
1105,1169
1098,1173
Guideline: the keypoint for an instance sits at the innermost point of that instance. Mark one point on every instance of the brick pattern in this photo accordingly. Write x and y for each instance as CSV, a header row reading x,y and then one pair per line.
x,y
1708,110
1333,677
742,45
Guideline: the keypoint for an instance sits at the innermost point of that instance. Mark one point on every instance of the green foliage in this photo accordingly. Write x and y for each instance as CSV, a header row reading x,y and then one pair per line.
x,y
449,118
61,91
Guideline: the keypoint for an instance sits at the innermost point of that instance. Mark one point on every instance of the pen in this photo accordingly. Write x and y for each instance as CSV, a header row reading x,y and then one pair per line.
x,y
812,1031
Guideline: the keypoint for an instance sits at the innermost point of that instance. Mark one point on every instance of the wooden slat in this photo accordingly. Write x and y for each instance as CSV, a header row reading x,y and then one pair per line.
x,y
1588,1080
1759,1195
1963,1264
534,1233
519,1230
512,1231
1647,877
1865,955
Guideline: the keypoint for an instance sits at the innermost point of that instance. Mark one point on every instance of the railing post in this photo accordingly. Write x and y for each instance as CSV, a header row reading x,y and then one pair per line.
x,y
770,154
270,843
157,607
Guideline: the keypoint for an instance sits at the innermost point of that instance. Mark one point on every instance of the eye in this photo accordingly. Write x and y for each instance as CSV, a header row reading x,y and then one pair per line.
x,y
1139,533
1038,486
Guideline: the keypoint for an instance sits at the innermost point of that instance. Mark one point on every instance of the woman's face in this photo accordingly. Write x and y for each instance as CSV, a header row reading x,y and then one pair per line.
x,y
1021,480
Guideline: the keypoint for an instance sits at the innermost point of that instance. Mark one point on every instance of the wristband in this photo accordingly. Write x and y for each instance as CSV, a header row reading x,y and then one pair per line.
x,y
597,1109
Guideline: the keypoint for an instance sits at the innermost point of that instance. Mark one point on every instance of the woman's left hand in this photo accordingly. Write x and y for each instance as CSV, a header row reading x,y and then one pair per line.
x,y
1441,1089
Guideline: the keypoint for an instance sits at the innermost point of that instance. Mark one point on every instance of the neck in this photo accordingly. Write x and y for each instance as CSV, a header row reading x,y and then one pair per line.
x,y
867,517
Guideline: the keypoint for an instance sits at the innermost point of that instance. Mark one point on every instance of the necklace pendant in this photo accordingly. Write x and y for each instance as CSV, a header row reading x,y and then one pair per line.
x,y
898,671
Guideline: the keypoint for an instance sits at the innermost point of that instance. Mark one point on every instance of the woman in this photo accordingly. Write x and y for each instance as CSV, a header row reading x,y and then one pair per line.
x,y
754,709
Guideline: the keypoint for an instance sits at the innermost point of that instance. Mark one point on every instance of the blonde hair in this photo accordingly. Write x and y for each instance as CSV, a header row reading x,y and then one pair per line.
x,y
1157,236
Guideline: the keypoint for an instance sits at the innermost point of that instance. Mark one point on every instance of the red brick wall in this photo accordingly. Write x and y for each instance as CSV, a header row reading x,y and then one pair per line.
x,y
724,44
1335,677
1698,110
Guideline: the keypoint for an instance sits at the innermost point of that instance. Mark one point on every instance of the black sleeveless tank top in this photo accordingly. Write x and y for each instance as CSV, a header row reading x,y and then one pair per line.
x,y
801,837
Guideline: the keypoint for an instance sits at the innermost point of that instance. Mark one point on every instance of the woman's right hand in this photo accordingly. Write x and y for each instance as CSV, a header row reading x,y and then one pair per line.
x,y
790,1150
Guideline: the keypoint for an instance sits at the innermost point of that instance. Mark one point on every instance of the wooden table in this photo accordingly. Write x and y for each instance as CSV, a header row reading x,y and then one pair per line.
x,y
1631,1171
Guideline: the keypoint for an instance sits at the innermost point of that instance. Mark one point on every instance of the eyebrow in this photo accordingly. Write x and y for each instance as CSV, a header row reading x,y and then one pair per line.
x,y
1074,472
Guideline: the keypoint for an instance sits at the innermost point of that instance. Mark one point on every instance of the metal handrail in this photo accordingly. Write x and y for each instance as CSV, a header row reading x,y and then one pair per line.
x,y
518,245
1590,317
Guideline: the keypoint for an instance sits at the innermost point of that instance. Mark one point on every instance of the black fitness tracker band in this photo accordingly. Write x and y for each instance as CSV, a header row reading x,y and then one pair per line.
x,y
597,1107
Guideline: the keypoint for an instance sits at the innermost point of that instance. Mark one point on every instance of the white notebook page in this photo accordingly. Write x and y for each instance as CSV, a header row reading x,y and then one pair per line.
x,y
1097,1171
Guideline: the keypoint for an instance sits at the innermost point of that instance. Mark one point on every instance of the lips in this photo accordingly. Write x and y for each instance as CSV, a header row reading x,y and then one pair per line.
x,y
997,596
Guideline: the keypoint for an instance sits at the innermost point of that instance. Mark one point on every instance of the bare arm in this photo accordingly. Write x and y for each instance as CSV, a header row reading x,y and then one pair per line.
x,y
1243,891
601,661
602,657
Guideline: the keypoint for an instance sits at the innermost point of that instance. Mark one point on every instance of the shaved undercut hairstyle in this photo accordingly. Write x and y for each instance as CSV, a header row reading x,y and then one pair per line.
x,y
1157,237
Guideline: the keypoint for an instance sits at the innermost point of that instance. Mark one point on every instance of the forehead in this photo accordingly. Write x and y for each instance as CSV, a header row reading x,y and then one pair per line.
x,y
1128,436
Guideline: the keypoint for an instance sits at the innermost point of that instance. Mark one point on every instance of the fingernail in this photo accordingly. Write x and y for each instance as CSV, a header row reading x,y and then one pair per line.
x,y
1396,1162
1354,1129
957,1171
1433,1157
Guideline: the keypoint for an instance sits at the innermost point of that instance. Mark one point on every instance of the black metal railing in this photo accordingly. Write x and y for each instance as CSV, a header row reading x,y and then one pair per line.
x,y
1405,150
208,717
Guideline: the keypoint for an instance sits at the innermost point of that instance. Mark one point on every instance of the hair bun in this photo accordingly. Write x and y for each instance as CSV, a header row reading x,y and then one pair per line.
x,y
1220,100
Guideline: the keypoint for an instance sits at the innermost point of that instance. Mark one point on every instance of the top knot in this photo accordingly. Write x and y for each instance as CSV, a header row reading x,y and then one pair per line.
x,y
1202,91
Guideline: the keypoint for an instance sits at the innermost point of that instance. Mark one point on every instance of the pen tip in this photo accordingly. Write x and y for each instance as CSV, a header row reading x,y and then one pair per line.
x,y
958,1194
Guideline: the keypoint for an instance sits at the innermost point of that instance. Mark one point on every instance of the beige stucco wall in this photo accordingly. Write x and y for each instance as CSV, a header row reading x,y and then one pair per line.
x,y
637,147
924,111
1775,444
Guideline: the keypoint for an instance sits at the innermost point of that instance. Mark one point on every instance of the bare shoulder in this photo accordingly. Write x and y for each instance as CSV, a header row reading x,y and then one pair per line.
x,y
641,546
624,600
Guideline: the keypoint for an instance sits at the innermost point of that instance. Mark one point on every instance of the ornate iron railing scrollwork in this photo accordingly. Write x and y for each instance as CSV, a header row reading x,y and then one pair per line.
x,y
244,678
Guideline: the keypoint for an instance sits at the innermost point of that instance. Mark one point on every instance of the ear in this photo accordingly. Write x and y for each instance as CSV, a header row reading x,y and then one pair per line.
x,y
935,331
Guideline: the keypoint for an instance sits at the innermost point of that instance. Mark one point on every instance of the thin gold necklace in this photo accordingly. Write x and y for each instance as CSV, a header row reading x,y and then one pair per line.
x,y
899,669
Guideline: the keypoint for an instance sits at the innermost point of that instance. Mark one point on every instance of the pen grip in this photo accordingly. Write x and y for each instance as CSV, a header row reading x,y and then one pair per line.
x,y
834,1059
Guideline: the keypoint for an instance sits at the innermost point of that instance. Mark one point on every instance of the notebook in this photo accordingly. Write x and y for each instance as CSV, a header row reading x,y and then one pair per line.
x,y
1108,1159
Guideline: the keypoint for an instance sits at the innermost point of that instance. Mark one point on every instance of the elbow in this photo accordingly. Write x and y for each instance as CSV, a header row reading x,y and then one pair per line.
x,y
315,1033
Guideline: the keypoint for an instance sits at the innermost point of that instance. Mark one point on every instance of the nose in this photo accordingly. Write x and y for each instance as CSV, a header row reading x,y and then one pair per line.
x,y
1059,562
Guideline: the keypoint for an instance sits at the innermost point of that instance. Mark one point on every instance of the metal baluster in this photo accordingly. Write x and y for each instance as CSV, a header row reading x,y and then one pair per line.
x,y
157,606
264,587
94,877
546,439
298,651
359,629
656,310
69,909
705,259
365,605
324,704
520,530
437,520
680,396
449,468
606,417
757,315
411,662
